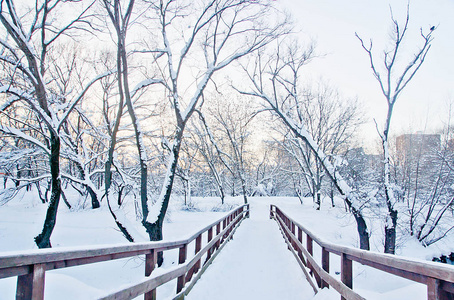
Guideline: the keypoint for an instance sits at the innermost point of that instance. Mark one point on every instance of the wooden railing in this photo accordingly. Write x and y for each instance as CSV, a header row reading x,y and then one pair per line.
x,y
30,267
438,278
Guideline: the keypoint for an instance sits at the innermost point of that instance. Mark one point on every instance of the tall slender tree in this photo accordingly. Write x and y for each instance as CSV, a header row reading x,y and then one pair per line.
x,y
393,81
28,40
275,78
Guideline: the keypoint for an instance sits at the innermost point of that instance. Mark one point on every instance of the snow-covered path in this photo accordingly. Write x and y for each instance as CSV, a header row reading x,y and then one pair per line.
x,y
254,265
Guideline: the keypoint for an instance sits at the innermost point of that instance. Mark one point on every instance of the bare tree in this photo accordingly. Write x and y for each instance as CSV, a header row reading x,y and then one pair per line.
x,y
233,126
186,166
121,23
29,38
208,148
220,32
392,82
425,173
331,121
274,79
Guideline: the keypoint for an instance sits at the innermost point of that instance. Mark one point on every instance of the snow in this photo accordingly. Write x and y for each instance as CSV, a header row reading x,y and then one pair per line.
x,y
155,209
254,265
18,133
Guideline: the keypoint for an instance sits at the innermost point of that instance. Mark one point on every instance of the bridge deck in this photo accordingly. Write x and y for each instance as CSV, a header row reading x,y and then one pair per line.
x,y
255,265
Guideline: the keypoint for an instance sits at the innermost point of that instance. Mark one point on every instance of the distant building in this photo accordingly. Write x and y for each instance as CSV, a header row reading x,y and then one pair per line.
x,y
451,145
416,145
359,160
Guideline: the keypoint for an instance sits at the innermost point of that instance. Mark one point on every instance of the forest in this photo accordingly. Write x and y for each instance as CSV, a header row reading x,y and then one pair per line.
x,y
149,100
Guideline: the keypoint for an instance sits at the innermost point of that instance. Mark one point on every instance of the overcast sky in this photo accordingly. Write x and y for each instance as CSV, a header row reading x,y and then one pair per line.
x,y
332,24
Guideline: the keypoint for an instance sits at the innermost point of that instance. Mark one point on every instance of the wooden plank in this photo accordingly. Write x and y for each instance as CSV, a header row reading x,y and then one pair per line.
x,y
147,285
150,263
391,270
333,282
293,233
309,249
30,266
194,236
300,252
303,268
210,251
197,257
15,271
191,284
31,286
190,265
218,230
346,272
433,289
325,266
198,246
24,287
181,259
32,257
61,255
413,266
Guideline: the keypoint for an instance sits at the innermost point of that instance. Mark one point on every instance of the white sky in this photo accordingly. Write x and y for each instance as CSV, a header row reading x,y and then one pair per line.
x,y
332,24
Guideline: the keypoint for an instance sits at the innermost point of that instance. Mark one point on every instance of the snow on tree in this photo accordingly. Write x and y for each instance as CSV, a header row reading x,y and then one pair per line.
x,y
29,39
275,78
207,36
393,78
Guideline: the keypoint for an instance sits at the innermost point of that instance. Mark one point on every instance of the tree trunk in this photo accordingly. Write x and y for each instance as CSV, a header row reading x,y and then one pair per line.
x,y
362,230
243,187
331,195
391,218
318,200
390,232
43,239
154,229
222,195
120,226
94,197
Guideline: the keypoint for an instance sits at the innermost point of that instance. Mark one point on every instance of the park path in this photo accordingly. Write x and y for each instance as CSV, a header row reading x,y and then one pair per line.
x,y
254,265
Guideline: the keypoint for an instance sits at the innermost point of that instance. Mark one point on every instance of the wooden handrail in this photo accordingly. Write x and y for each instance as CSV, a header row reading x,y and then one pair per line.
x,y
439,278
30,266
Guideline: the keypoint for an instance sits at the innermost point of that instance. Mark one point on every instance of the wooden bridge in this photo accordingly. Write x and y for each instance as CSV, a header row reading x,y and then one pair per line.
x,y
30,267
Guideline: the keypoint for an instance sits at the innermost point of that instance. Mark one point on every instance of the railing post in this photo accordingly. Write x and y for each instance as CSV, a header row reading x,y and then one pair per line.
x,y
31,286
230,223
325,265
210,237
309,249
293,232
346,271
150,262
198,247
218,230
434,290
227,225
224,225
300,252
309,244
181,259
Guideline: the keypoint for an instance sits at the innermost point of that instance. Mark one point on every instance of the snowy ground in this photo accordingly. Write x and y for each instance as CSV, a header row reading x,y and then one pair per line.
x,y
273,270
255,265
